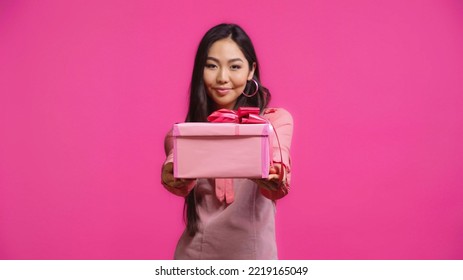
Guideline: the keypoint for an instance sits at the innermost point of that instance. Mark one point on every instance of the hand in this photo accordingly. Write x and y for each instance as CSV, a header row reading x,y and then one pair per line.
x,y
167,177
272,182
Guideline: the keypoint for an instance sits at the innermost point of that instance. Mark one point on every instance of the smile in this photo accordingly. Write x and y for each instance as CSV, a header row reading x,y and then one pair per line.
x,y
222,91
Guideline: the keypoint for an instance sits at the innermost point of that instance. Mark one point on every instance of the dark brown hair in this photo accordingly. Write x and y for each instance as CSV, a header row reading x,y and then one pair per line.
x,y
201,105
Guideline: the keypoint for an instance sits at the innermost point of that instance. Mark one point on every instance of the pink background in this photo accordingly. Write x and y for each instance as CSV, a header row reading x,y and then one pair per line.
x,y
88,89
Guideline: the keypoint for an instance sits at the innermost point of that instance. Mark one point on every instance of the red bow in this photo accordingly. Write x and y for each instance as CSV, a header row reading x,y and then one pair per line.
x,y
244,115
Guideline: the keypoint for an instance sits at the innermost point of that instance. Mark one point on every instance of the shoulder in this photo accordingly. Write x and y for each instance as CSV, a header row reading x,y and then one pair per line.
x,y
278,115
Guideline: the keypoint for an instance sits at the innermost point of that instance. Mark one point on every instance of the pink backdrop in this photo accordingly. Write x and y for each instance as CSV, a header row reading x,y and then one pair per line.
x,y
88,89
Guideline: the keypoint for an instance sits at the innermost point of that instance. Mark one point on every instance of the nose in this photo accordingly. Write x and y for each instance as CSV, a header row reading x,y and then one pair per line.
x,y
222,76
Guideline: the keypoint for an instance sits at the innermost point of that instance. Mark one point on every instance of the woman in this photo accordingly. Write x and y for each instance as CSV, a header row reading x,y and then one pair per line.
x,y
230,218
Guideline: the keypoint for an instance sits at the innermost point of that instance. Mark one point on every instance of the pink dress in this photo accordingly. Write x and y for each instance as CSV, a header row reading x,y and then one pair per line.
x,y
236,217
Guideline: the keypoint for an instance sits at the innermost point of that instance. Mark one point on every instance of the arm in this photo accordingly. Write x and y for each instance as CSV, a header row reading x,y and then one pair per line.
x,y
181,187
271,188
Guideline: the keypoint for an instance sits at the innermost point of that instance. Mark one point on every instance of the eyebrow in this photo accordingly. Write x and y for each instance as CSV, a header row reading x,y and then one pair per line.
x,y
229,61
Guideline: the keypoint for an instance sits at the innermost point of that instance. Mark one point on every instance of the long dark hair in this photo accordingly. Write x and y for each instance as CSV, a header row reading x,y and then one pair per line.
x,y
201,105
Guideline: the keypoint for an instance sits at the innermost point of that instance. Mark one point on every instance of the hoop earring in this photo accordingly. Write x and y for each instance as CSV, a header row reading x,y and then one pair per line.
x,y
254,93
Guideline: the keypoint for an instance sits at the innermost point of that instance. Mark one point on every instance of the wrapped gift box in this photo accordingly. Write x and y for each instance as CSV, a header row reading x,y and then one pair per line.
x,y
221,150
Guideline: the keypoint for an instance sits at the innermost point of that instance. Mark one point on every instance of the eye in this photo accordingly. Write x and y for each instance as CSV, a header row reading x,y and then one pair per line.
x,y
235,67
210,66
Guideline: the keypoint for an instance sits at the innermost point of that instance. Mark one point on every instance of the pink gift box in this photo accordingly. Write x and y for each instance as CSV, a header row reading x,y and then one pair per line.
x,y
221,150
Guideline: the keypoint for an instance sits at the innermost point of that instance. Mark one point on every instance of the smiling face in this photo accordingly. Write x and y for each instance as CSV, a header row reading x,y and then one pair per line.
x,y
226,73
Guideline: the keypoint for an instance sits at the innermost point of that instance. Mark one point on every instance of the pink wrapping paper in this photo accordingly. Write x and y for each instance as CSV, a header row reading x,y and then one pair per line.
x,y
221,150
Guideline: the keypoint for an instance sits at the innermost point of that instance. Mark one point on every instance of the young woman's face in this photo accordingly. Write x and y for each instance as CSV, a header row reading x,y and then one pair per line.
x,y
226,73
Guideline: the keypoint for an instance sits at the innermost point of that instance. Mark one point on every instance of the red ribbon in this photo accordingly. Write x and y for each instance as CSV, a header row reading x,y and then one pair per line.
x,y
244,115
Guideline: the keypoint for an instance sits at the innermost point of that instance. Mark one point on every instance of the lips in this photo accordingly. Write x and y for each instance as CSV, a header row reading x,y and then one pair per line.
x,y
222,91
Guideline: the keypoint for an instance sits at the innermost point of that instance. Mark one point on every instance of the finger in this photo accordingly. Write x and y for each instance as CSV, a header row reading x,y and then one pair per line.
x,y
267,185
168,167
186,180
167,171
272,177
270,186
171,181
